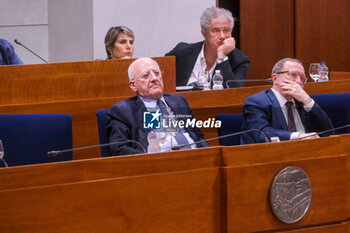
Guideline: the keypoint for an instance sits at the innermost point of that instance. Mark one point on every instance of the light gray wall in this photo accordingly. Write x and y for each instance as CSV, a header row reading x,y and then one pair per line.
x,y
25,20
70,30
158,24
74,30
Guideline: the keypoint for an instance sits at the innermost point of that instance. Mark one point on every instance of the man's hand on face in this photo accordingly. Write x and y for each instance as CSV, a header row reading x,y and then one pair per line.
x,y
227,46
296,91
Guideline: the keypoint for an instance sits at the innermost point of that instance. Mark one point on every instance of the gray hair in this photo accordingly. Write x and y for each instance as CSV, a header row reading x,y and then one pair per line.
x,y
215,12
279,65
138,60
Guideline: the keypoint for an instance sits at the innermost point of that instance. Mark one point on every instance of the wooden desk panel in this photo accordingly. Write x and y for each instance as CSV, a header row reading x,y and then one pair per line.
x,y
222,189
73,80
341,227
187,201
250,170
106,168
346,151
337,75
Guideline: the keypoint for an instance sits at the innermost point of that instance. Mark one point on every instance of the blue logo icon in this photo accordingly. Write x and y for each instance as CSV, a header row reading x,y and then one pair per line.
x,y
152,120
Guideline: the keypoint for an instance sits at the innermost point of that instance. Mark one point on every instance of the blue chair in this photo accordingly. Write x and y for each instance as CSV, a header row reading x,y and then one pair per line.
x,y
28,137
337,107
230,123
102,133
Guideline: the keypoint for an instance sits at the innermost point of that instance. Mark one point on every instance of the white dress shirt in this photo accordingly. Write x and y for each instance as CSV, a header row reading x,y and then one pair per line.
x,y
199,68
299,125
151,105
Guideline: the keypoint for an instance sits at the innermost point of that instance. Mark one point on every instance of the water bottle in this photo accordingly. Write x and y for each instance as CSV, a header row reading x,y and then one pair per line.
x,y
218,80
323,72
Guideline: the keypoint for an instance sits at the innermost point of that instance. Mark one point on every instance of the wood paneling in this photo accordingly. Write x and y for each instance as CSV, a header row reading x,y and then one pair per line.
x,y
187,201
105,168
323,33
332,228
221,189
337,75
73,80
267,33
346,151
248,186
310,30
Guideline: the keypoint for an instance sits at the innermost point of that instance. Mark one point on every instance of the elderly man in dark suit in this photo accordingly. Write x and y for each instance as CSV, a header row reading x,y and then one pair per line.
x,y
125,119
217,52
285,111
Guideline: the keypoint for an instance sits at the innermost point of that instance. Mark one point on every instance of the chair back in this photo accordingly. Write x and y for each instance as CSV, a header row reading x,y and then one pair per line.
x,y
337,107
102,132
28,137
230,123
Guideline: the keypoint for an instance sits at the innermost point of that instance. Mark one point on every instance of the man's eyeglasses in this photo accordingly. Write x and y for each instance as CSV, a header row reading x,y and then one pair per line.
x,y
294,76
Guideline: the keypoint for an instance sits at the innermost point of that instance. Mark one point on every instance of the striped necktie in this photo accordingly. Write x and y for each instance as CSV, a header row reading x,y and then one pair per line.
x,y
179,137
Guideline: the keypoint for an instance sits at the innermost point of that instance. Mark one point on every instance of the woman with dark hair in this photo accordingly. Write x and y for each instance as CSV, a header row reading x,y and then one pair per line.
x,y
119,42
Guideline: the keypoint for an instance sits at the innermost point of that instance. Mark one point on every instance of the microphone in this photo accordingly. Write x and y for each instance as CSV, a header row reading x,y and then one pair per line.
x,y
4,162
248,80
178,147
19,43
57,152
325,131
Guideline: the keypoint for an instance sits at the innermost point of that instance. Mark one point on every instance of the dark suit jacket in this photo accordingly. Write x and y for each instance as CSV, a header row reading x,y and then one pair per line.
x,y
236,68
263,112
125,122
7,54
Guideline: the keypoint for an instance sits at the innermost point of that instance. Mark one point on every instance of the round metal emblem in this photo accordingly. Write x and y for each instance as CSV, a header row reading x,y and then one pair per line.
x,y
290,194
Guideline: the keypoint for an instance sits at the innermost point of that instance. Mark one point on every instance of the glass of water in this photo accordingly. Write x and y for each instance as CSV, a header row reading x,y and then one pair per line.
x,y
313,71
204,79
2,153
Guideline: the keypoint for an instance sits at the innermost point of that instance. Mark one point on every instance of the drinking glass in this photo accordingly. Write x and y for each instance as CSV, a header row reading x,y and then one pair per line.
x,y
313,71
204,79
2,153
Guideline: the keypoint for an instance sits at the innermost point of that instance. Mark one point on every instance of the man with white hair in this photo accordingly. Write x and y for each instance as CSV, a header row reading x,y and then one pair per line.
x,y
125,119
217,52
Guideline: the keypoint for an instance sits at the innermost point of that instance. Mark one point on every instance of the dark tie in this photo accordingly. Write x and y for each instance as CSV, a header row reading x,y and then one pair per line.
x,y
291,122
179,137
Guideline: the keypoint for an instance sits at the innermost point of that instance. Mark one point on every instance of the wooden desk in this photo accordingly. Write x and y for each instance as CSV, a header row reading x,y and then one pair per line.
x,y
73,80
205,104
338,75
219,189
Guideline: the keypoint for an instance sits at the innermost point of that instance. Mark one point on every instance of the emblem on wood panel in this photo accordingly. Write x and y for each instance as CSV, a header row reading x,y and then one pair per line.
x,y
290,194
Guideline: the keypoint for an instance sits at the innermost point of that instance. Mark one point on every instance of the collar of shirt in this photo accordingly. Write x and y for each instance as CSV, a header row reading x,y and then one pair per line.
x,y
151,103
281,100
199,68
